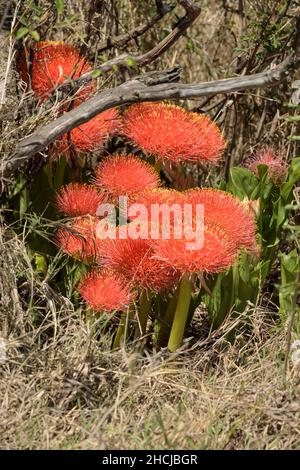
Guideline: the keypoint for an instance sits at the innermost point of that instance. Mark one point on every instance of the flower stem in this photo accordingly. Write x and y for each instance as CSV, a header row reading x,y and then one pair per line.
x,y
142,314
166,321
120,331
123,327
181,314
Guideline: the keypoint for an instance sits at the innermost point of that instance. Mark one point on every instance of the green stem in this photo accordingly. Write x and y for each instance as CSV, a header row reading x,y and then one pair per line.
x,y
120,331
123,327
166,321
143,312
181,314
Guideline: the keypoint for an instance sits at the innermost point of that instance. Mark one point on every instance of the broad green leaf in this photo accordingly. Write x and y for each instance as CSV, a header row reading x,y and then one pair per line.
x,y
242,182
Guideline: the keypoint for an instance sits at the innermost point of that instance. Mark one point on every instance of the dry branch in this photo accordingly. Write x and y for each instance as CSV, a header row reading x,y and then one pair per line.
x,y
151,87
124,60
122,39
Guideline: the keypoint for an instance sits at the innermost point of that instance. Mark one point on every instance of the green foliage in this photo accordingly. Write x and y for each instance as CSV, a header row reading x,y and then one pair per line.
x,y
60,6
289,287
242,284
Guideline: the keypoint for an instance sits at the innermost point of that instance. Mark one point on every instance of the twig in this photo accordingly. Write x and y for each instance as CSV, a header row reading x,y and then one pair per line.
x,y
123,39
151,87
125,60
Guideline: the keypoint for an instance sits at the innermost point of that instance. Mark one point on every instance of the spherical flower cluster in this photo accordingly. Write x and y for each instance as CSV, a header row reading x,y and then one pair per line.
x,y
134,259
75,200
217,253
150,199
125,175
52,64
169,131
91,135
79,239
277,167
106,291
226,212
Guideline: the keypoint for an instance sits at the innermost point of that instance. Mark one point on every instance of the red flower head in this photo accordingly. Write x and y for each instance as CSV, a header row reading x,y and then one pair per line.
x,y
277,167
106,291
133,258
169,131
217,253
75,200
91,135
79,239
227,213
151,198
125,175
53,63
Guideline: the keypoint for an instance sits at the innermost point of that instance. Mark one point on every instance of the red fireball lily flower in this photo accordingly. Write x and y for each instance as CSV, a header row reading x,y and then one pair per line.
x,y
227,213
217,254
91,135
55,62
125,175
168,131
79,239
134,260
75,200
106,291
151,198
277,167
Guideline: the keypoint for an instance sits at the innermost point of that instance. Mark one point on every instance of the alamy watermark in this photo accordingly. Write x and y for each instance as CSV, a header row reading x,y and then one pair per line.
x,y
156,221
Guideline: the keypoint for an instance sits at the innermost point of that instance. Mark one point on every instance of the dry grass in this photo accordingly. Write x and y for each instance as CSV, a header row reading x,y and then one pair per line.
x,y
61,387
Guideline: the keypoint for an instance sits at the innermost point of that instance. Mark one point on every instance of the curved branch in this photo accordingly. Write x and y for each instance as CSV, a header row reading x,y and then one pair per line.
x,y
152,87
122,39
192,11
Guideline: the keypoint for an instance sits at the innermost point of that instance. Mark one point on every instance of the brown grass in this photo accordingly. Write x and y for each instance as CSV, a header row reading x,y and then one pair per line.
x,y
62,387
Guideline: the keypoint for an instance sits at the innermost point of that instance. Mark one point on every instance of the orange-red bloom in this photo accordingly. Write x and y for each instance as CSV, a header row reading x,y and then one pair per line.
x,y
277,167
134,260
166,199
217,253
75,200
169,131
79,239
227,213
53,63
91,135
106,291
125,175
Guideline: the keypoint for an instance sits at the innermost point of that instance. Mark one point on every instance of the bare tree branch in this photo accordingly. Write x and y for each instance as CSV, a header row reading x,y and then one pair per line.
x,y
123,39
125,60
151,87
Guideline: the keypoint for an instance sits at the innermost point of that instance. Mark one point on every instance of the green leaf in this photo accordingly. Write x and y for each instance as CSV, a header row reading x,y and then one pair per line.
x,y
41,263
290,266
96,73
242,182
130,62
293,177
35,35
22,32
60,6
